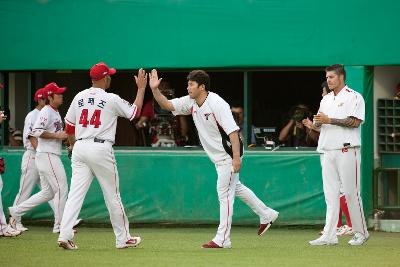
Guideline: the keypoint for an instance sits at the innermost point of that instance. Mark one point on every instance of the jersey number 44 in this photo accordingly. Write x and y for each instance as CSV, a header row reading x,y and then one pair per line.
x,y
94,120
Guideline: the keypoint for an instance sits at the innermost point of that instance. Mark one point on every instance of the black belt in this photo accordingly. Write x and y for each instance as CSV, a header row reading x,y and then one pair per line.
x,y
97,140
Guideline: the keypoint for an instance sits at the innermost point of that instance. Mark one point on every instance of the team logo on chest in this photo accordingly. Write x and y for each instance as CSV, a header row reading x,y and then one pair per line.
x,y
207,115
58,125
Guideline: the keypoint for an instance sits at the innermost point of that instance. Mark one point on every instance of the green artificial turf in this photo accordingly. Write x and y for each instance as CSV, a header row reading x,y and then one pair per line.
x,y
181,247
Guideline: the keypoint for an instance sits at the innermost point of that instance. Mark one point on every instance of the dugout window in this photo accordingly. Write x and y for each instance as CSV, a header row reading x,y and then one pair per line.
x,y
267,95
228,84
275,92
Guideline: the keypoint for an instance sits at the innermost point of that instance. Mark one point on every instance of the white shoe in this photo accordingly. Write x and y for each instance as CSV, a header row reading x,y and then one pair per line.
x,y
10,232
323,241
349,231
341,230
133,242
70,245
13,220
359,239
21,227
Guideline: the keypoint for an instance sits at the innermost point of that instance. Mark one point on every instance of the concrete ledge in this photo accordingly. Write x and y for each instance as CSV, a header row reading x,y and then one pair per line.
x,y
386,225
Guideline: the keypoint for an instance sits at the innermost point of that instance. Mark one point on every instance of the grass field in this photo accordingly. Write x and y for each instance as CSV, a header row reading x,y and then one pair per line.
x,y
181,247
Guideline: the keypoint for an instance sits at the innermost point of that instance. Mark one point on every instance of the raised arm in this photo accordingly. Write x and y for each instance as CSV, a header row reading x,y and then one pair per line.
x,y
158,96
284,133
141,82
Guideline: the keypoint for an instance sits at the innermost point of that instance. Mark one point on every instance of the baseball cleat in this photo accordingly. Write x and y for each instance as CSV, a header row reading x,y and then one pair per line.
x,y
133,242
344,230
265,226
322,241
70,245
359,239
10,232
12,219
21,227
210,244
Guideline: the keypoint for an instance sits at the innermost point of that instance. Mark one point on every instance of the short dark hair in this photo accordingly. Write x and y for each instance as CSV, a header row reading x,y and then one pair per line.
x,y
201,77
325,85
338,69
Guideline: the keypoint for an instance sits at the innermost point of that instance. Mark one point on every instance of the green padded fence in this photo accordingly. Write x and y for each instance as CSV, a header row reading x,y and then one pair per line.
x,y
178,186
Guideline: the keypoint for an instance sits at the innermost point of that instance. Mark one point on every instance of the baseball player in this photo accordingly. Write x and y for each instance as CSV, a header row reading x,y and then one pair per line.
x,y
218,133
340,116
29,173
314,133
48,128
91,123
5,229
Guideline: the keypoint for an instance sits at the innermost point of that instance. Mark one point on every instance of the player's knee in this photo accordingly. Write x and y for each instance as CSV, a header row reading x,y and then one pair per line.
x,y
48,194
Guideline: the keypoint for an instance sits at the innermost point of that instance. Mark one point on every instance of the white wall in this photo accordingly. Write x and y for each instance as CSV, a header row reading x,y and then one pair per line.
x,y
385,81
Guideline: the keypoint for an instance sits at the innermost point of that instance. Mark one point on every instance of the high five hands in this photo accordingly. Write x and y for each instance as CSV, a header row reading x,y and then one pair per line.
x,y
141,79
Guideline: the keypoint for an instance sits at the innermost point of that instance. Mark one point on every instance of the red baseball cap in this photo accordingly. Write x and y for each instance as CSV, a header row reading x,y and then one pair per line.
x,y
52,88
101,70
40,94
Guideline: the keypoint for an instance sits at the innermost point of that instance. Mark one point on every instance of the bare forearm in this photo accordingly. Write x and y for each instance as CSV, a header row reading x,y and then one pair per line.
x,y
283,135
33,141
139,98
349,122
47,135
234,139
162,100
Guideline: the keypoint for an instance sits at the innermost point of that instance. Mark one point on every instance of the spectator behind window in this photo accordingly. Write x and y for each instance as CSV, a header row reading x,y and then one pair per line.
x,y
295,134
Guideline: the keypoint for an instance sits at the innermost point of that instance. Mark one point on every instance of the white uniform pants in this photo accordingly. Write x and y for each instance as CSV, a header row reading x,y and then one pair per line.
x,y
54,186
90,159
29,178
3,223
229,186
341,169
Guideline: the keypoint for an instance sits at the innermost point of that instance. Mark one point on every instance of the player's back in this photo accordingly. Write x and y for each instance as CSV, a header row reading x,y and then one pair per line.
x,y
94,114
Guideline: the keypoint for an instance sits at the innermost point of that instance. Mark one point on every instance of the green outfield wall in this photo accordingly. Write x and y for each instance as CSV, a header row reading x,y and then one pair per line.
x,y
179,186
73,34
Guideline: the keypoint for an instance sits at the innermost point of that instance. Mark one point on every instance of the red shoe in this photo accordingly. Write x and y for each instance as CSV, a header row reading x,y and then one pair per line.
x,y
210,244
265,226
133,242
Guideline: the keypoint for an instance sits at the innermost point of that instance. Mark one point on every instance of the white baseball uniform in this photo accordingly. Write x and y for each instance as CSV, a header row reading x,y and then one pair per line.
x,y
341,158
94,114
214,122
29,173
50,167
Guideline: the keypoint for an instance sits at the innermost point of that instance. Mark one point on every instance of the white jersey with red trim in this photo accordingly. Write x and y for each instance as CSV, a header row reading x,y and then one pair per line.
x,y
48,120
214,122
347,103
30,120
94,113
